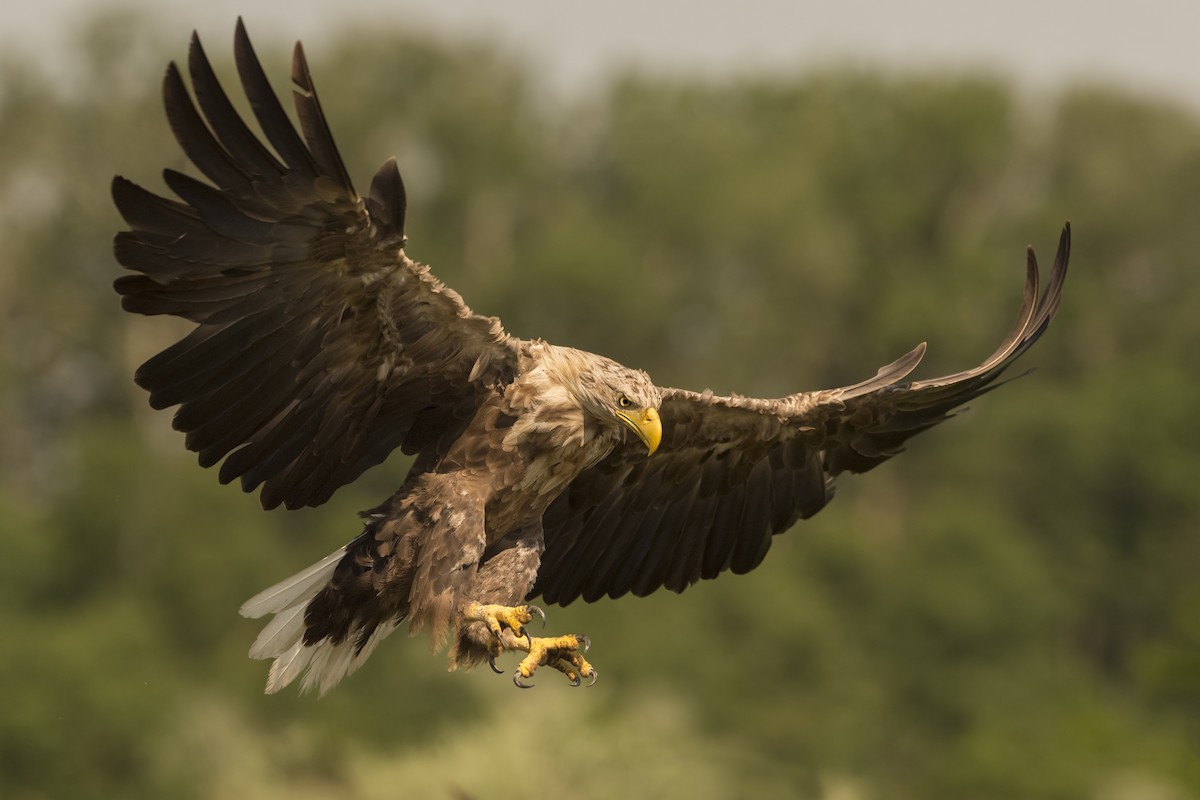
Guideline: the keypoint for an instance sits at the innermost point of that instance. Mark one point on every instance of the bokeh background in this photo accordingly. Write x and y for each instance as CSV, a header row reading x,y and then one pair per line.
x,y
1009,610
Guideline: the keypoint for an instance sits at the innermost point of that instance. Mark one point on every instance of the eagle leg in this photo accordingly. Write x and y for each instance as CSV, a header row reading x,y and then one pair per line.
x,y
560,652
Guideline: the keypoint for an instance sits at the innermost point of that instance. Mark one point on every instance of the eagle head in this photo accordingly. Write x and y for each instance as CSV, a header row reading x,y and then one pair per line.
x,y
633,401
612,396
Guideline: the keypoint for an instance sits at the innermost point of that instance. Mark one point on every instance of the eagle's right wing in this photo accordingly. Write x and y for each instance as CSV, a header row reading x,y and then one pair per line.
x,y
733,471
320,346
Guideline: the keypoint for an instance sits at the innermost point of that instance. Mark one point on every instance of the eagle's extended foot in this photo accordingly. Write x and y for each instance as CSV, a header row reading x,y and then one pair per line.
x,y
507,624
561,652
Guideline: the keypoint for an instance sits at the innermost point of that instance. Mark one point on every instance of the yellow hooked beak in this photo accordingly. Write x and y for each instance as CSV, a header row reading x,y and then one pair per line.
x,y
646,425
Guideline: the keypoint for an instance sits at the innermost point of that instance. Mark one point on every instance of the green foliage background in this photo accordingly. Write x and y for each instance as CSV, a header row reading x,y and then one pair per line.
x,y
1010,610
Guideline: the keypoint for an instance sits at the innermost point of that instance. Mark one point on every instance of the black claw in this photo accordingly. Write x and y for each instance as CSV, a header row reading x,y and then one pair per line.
x,y
568,669
517,681
492,664
539,612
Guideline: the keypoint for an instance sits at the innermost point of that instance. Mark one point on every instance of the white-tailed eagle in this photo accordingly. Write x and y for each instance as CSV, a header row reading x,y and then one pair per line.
x,y
540,471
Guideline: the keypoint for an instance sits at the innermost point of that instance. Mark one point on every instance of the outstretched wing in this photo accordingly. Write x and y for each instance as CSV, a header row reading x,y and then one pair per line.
x,y
320,346
733,471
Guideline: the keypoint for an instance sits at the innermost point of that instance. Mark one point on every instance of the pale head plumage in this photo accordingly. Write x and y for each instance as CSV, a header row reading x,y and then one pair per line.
x,y
601,386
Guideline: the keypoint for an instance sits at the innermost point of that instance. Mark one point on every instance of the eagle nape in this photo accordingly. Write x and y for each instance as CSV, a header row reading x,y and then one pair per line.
x,y
319,347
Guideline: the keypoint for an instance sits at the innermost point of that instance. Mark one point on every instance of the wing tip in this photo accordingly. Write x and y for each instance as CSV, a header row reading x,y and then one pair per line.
x,y
888,374
1064,248
242,47
300,67
387,198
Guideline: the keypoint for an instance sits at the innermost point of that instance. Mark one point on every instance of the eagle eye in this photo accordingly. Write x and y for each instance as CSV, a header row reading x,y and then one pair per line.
x,y
623,401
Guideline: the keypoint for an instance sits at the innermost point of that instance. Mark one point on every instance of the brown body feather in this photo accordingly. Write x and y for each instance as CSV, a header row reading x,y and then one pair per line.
x,y
320,347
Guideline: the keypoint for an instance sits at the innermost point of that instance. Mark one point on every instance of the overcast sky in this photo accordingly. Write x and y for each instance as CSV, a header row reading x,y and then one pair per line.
x,y
1148,45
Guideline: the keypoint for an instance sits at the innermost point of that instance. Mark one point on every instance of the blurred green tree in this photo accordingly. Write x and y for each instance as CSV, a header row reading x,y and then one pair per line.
x,y
1010,610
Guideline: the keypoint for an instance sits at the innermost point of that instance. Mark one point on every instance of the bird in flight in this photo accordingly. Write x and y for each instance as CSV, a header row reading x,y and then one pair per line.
x,y
539,471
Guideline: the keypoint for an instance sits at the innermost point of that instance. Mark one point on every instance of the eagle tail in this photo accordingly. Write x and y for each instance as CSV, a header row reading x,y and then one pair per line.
x,y
322,663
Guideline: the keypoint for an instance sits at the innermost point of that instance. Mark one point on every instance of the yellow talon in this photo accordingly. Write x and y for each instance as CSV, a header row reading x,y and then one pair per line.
x,y
564,653
560,652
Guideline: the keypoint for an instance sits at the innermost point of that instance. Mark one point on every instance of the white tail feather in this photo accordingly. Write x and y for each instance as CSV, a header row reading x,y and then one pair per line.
x,y
302,585
323,664
283,638
281,633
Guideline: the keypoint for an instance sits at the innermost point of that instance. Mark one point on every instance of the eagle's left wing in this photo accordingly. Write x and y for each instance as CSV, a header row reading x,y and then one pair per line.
x,y
319,346
733,471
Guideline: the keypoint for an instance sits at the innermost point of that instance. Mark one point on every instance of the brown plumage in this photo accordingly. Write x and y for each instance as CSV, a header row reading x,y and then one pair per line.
x,y
320,348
